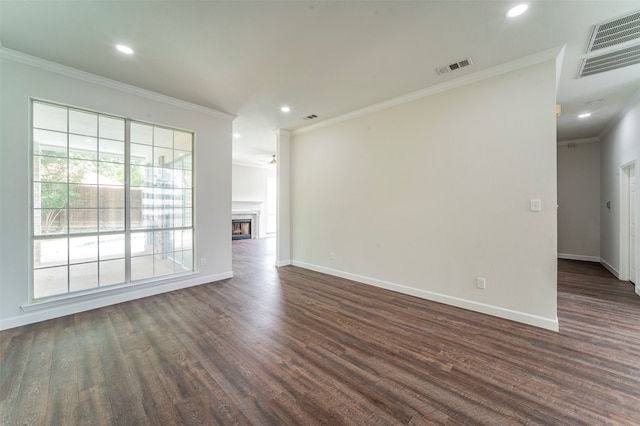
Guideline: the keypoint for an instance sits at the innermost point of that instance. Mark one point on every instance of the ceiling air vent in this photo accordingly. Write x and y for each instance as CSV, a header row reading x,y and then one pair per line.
x,y
455,66
610,61
310,117
615,32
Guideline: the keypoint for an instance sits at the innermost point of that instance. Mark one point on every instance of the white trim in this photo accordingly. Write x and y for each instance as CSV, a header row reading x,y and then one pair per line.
x,y
535,320
439,88
54,309
580,257
280,263
559,65
611,269
596,259
625,177
578,141
266,165
106,82
635,99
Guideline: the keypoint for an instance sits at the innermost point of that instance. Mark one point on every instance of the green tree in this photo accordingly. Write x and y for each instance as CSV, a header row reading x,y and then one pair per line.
x,y
55,192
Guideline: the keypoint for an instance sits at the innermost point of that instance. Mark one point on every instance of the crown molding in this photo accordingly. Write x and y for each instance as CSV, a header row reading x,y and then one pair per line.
x,y
635,100
282,132
578,141
527,61
266,166
33,61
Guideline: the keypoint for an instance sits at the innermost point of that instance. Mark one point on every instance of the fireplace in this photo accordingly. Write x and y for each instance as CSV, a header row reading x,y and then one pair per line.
x,y
245,223
240,229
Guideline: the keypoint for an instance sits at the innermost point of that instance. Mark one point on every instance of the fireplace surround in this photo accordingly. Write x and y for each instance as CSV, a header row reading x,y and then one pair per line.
x,y
247,211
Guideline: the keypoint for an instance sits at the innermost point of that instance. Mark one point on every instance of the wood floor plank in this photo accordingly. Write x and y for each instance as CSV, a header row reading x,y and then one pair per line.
x,y
93,407
122,386
14,364
64,375
30,405
288,346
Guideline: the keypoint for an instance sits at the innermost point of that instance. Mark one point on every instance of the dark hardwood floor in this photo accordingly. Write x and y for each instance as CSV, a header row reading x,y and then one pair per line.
x,y
290,346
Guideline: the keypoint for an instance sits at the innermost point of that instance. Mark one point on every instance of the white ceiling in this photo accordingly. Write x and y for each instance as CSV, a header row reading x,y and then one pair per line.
x,y
323,57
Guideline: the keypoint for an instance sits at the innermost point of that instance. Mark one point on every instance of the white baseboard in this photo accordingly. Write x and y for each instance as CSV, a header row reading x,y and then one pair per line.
x,y
583,258
54,309
280,263
611,269
579,257
523,317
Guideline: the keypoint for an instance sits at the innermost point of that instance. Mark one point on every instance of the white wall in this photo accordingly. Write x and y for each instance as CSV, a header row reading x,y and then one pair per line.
x,y
250,184
579,201
283,243
425,196
620,146
23,77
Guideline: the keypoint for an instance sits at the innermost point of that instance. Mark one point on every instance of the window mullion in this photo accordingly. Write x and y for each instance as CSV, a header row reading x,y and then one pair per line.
x,y
98,203
127,201
68,209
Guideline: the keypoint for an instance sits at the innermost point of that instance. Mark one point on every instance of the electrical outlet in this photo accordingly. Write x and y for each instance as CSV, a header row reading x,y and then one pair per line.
x,y
481,283
332,255
203,261
535,205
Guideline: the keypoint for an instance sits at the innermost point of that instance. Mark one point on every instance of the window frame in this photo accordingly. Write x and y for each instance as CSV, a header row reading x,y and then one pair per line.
x,y
126,231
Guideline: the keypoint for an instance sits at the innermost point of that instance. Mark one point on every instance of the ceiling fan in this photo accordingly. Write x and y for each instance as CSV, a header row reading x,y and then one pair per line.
x,y
272,161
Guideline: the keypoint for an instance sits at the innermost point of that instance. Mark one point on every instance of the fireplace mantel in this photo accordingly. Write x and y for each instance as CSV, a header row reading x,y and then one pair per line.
x,y
246,205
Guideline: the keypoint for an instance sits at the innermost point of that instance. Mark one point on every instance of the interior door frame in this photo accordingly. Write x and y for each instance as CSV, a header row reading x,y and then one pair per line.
x,y
625,170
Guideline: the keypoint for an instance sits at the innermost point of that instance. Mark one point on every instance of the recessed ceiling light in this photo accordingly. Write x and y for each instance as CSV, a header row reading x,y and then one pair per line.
x,y
594,101
124,49
285,109
236,135
517,10
585,115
